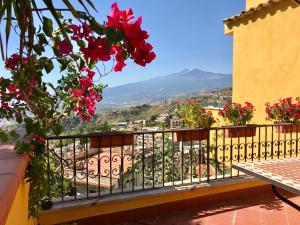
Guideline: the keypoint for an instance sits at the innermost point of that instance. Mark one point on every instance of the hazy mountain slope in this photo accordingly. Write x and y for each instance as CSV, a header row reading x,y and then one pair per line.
x,y
164,87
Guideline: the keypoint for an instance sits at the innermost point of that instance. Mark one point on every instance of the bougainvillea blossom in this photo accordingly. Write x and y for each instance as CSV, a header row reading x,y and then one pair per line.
x,y
64,47
86,97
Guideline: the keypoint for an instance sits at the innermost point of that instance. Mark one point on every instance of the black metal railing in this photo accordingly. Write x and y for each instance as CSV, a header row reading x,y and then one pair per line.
x,y
103,164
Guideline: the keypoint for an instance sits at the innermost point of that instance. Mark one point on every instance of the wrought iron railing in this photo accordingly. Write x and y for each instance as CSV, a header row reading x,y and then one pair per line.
x,y
103,164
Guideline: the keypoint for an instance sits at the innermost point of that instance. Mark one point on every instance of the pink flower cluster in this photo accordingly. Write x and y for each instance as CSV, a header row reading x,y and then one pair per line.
x,y
14,61
86,96
39,139
64,47
98,49
10,93
136,44
284,111
236,113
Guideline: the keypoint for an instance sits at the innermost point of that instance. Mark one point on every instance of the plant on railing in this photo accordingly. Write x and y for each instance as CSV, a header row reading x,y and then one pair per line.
x,y
237,114
28,97
284,111
193,115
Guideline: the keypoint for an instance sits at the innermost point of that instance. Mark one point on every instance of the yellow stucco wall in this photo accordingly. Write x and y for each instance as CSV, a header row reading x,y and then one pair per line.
x,y
18,214
219,120
266,56
254,3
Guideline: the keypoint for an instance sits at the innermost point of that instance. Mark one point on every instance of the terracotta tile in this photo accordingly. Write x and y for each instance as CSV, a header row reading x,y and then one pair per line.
x,y
143,212
182,205
148,220
121,217
167,220
274,217
105,220
7,154
8,188
246,221
251,212
163,209
261,208
16,165
220,220
294,219
3,211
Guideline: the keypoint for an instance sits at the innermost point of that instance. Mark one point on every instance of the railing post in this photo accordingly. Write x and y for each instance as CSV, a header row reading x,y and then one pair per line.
x,y
208,159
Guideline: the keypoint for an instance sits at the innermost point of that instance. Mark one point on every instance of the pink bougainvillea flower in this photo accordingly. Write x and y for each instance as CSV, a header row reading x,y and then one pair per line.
x,y
14,61
97,50
138,49
39,139
64,47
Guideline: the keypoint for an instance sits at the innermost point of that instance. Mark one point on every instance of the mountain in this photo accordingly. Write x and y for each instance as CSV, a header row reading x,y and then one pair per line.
x,y
164,87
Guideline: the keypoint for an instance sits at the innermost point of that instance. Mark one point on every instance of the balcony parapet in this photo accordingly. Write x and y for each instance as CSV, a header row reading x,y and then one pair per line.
x,y
12,171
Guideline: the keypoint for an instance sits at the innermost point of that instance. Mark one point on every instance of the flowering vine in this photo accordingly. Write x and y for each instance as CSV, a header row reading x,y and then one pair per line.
x,y
76,47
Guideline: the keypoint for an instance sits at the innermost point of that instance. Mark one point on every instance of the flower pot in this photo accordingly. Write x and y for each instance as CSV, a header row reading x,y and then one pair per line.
x,y
46,204
191,135
287,128
240,131
114,139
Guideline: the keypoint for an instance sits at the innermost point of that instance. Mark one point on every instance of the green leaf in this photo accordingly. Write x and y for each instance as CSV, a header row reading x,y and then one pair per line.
x,y
42,39
50,6
39,49
113,36
48,66
71,8
3,7
47,26
97,27
8,23
63,63
91,4
81,43
80,63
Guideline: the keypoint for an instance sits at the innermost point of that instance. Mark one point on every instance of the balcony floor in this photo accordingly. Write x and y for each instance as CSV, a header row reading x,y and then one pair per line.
x,y
256,210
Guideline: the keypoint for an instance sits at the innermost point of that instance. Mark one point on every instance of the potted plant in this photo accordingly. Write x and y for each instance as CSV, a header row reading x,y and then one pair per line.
x,y
238,115
110,139
286,113
193,116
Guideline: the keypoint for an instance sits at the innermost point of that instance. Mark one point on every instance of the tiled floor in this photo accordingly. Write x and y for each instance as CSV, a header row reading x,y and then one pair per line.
x,y
266,210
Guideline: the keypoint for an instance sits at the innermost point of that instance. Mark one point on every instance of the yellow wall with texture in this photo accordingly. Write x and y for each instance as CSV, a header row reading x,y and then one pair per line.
x,y
266,61
18,213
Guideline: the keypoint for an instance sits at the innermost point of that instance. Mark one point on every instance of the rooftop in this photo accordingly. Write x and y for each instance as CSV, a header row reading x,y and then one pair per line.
x,y
263,208
252,10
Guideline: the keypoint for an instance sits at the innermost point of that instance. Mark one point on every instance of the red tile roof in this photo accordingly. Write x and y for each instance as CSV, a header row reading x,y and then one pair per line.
x,y
252,10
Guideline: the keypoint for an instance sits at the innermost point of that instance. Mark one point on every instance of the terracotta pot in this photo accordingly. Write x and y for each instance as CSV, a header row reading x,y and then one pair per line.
x,y
113,139
287,128
191,135
240,131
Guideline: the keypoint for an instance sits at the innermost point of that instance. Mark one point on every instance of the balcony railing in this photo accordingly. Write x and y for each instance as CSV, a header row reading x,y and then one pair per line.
x,y
104,164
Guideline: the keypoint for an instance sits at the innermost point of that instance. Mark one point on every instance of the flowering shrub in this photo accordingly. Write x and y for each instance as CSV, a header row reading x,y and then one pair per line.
x,y
237,114
284,111
76,46
193,115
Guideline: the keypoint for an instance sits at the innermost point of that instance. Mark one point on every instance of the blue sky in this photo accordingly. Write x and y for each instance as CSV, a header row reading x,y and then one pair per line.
x,y
185,34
